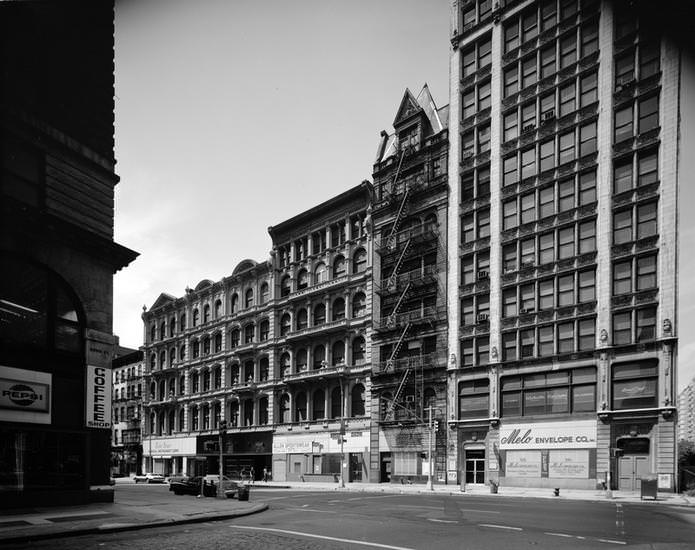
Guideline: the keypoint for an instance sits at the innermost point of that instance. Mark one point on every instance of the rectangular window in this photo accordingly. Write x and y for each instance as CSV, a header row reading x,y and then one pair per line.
x,y
483,223
468,62
565,247
528,117
568,8
511,80
622,176
548,66
467,144
467,352
511,35
588,89
625,69
527,343
546,248
509,218
509,258
622,328
567,99
468,104
567,147
565,337
483,175
589,39
587,286
483,138
649,62
648,114
509,346
587,237
467,270
565,290
529,25
474,398
528,208
634,385
546,342
482,346
468,187
529,71
467,229
647,168
509,302
623,124
484,53
568,50
548,107
546,291
646,324
405,463
549,14
547,154
646,272
646,220
587,188
622,277
528,163
511,128
484,96
622,227
587,139
566,195
528,252
467,312
527,298
511,172
546,202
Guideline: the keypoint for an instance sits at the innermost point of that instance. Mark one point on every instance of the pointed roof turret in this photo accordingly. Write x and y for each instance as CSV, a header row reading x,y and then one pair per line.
x,y
408,107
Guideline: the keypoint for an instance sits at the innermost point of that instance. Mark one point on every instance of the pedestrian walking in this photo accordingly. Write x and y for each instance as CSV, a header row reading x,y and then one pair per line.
x,y
265,475
253,475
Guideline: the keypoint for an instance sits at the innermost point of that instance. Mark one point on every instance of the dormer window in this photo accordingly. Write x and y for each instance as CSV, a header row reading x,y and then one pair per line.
x,y
410,137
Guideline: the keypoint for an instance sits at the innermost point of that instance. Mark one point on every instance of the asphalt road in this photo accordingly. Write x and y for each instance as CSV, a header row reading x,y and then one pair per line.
x,y
332,520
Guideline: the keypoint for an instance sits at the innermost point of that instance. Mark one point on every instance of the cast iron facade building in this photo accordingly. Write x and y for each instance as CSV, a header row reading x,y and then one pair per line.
x,y
562,244
126,442
57,251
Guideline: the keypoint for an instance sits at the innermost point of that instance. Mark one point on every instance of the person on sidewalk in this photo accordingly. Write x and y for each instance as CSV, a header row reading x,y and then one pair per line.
x,y
253,475
265,475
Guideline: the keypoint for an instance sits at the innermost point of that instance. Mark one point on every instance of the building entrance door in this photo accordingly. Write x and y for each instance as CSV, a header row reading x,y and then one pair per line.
x,y
475,466
632,469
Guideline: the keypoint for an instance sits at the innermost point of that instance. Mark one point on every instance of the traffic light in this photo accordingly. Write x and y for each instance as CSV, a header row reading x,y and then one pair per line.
x,y
436,425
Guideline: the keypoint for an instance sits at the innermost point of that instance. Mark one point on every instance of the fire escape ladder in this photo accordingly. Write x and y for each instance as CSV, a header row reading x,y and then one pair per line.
x,y
396,268
392,238
392,406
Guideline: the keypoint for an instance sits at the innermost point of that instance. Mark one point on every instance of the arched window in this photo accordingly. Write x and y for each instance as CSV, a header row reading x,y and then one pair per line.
x,y
196,317
264,330
249,333
162,330
285,324
359,261
196,349
338,267
301,359
218,378
234,337
359,304
206,380
336,403
206,345
265,294
300,407
206,313
153,390
234,373
301,321
284,406
162,390
182,420
218,309
162,359
319,405
338,309
235,303
285,366
263,411
319,357
152,423
170,421
195,382
357,401
206,416
195,418
234,414
302,279
182,384
319,314
172,326
182,352
218,342
359,349
320,274
172,356
216,411
248,298
338,352
153,361
248,372
264,366
153,333
182,322
285,286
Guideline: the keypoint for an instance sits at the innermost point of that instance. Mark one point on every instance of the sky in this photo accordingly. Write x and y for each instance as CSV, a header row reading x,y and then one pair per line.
x,y
232,116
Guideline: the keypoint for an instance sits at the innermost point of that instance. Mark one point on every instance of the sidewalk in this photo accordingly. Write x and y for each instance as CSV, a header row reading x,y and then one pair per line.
x,y
162,508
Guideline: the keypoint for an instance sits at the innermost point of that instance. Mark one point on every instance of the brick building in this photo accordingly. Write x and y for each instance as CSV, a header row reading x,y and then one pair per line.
x,y
57,251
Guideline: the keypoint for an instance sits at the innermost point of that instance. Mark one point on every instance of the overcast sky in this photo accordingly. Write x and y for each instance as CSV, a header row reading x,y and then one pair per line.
x,y
232,116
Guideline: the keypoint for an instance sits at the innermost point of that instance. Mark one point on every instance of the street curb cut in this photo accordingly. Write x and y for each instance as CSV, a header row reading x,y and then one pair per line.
x,y
132,526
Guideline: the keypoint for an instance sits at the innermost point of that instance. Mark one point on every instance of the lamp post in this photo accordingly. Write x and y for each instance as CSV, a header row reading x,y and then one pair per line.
x,y
223,431
429,450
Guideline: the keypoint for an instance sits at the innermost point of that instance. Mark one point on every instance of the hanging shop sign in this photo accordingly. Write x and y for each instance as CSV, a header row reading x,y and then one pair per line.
x,y
25,396
549,435
98,398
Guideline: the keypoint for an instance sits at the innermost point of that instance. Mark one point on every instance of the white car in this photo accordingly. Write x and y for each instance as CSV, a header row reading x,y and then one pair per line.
x,y
149,478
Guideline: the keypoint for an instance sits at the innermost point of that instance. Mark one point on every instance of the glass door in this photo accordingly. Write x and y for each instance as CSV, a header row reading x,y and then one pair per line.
x,y
475,466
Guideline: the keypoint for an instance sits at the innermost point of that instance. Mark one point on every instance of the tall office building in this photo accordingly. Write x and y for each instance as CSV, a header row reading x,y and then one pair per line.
x,y
686,413
562,244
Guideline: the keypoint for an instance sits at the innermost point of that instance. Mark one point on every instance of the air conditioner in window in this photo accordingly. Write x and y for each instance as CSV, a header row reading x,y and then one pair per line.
x,y
527,264
548,115
482,317
528,128
409,398
466,155
482,274
526,310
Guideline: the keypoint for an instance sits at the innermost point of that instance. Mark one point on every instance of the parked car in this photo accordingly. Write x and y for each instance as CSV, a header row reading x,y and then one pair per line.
x,y
149,477
191,486
171,479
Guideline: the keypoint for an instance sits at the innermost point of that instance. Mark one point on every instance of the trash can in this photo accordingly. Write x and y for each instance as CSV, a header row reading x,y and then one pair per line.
x,y
648,487
243,493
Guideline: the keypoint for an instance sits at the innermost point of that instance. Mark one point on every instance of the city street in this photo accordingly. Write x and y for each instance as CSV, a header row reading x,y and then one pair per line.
x,y
301,519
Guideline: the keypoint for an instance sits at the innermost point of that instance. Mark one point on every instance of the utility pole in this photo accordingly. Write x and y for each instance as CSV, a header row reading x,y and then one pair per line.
x,y
430,426
342,454
223,430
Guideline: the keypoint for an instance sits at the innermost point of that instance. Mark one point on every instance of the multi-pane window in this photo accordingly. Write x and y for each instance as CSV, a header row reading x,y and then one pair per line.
x,y
642,115
634,385
474,398
636,222
634,274
568,50
635,170
634,326
557,392
640,62
589,39
476,57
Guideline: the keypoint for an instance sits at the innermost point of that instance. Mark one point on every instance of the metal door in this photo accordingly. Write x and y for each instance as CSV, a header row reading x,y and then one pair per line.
x,y
631,469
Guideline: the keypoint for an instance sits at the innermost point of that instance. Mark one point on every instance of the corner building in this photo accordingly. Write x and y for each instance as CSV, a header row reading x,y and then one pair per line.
x,y
279,349
562,245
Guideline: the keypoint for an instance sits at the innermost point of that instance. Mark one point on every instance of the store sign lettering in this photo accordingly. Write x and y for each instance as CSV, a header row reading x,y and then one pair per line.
x,y
545,435
98,398
23,395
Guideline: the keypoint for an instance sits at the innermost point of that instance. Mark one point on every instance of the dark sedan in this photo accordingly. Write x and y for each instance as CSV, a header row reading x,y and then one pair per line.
x,y
192,486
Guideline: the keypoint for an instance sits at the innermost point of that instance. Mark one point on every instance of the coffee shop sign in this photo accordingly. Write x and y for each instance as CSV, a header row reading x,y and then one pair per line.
x,y
549,435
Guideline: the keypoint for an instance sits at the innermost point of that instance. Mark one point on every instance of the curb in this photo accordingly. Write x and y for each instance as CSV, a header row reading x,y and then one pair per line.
x,y
132,526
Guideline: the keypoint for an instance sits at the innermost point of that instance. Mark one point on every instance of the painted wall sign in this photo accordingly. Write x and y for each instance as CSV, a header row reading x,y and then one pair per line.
x,y
312,442
523,464
580,434
568,464
98,398
25,396
172,446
